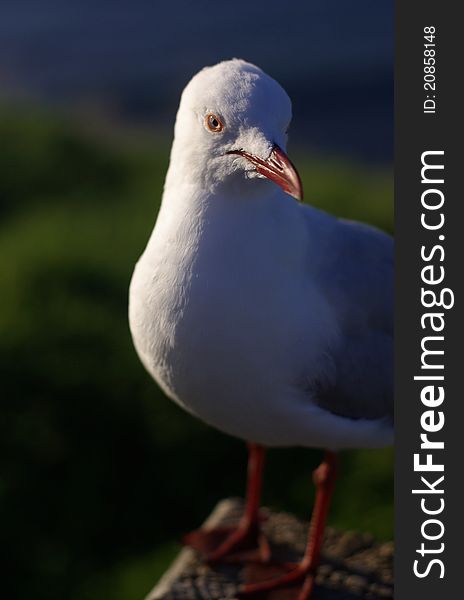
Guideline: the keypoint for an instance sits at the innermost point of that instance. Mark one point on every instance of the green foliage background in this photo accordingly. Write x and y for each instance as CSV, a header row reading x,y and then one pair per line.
x,y
99,473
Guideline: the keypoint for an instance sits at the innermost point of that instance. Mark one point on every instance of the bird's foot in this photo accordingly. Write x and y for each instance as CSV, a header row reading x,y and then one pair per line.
x,y
240,544
289,581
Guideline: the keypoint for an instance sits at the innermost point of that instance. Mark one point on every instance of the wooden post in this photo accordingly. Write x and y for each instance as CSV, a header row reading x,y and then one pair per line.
x,y
353,565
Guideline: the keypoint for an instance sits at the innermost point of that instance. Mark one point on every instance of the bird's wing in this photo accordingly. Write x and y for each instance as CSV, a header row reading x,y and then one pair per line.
x,y
357,279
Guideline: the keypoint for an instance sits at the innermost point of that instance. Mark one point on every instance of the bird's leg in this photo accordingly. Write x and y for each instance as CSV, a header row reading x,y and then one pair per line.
x,y
304,572
245,541
248,533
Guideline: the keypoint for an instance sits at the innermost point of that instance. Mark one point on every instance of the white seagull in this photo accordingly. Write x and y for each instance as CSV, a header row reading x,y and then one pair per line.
x,y
264,317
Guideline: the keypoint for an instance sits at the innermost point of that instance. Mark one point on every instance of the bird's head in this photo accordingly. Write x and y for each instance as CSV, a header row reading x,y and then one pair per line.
x,y
231,130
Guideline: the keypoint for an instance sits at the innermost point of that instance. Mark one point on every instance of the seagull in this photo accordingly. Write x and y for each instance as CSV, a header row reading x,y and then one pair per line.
x,y
266,318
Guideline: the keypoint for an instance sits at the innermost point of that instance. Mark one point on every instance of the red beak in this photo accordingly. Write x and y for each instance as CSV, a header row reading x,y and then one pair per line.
x,y
278,168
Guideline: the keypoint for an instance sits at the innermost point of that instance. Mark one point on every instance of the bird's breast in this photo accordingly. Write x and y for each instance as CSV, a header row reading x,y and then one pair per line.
x,y
229,317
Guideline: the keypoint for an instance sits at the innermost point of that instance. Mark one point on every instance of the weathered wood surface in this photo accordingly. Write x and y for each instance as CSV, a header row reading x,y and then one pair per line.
x,y
353,565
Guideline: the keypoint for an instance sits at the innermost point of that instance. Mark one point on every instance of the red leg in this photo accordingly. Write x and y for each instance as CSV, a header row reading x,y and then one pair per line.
x,y
324,478
244,541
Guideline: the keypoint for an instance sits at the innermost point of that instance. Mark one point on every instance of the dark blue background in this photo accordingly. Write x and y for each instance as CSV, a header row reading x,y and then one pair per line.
x,y
132,59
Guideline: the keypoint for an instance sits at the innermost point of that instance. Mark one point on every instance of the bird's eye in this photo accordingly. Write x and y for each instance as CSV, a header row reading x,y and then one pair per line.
x,y
213,123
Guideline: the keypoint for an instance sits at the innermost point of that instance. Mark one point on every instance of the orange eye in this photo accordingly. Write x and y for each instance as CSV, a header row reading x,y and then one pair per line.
x,y
213,123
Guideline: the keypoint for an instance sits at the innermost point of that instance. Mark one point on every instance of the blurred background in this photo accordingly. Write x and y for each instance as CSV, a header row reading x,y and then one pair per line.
x,y
99,473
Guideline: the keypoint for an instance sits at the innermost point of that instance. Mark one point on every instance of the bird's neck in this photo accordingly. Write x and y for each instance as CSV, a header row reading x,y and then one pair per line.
x,y
196,204
193,215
